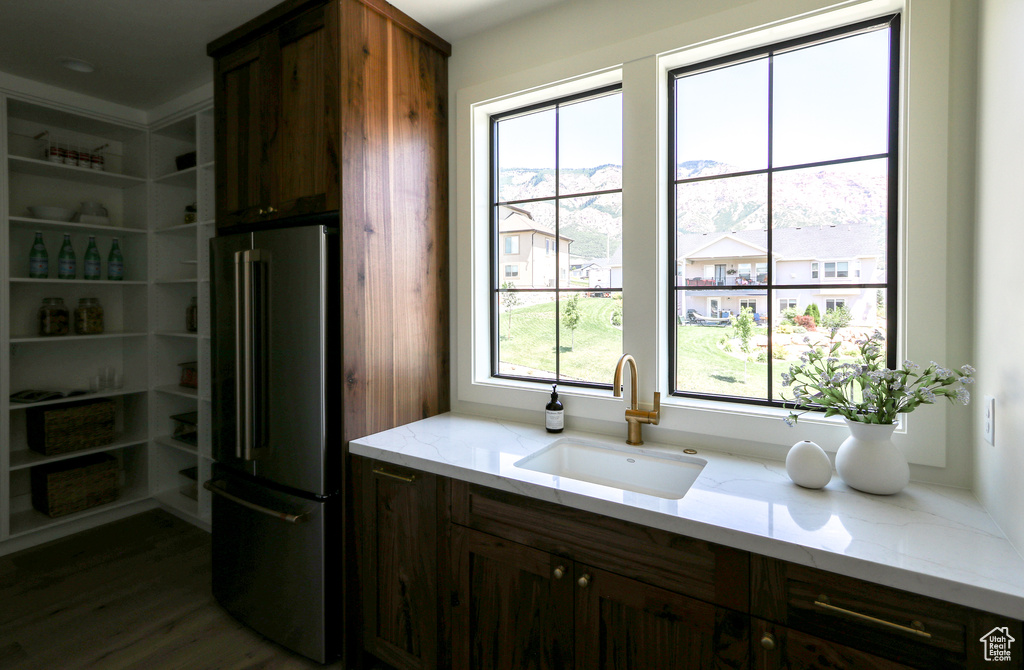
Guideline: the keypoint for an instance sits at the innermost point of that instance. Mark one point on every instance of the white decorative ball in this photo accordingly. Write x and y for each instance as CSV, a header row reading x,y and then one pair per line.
x,y
807,464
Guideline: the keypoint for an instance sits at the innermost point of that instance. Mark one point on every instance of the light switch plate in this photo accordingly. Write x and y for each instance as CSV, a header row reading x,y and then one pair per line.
x,y
989,420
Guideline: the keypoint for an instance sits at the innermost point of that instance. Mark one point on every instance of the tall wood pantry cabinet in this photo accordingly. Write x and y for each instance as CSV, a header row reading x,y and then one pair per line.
x,y
342,106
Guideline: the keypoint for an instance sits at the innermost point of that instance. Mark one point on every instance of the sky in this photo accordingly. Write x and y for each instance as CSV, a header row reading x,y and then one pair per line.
x,y
829,102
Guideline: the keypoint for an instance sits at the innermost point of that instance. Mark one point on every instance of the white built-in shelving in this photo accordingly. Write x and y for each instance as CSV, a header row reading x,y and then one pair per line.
x,y
145,337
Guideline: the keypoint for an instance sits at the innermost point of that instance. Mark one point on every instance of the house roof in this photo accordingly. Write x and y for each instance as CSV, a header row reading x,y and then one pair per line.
x,y
513,219
817,242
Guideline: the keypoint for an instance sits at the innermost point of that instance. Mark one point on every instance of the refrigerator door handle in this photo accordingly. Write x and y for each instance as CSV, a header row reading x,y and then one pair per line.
x,y
241,337
251,318
213,487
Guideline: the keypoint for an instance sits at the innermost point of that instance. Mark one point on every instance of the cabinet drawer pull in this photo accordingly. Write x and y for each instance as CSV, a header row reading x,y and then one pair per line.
x,y
559,572
915,627
271,210
584,581
768,641
408,479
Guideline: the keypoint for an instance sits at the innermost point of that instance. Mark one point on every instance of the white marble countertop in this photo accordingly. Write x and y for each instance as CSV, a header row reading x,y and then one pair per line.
x,y
932,540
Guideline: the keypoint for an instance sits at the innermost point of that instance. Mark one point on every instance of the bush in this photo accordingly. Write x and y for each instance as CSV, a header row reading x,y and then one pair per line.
x,y
617,315
807,322
840,317
762,357
788,315
727,346
812,310
784,328
778,352
799,330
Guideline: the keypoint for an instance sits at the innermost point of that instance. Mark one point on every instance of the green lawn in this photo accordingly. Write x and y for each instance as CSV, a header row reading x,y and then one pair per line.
x,y
702,365
590,355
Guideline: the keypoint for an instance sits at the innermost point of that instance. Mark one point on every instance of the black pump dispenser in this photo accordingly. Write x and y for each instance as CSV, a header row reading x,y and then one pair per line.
x,y
554,416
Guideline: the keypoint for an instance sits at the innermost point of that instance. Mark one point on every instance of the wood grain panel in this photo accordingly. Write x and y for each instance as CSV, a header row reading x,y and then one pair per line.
x,y
237,118
692,567
397,536
420,212
509,612
394,221
622,623
786,593
369,324
793,649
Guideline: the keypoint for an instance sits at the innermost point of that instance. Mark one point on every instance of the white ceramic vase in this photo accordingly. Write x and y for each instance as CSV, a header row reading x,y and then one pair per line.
x,y
869,461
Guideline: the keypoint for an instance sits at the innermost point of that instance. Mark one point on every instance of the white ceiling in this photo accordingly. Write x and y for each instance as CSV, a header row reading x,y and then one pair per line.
x,y
147,52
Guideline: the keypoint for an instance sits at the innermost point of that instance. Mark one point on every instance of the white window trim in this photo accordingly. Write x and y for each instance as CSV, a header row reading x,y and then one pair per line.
x,y
923,217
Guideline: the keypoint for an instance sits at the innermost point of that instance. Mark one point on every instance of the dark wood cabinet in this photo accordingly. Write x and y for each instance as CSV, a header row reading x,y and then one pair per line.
x,y
397,544
515,607
538,585
780,648
528,584
276,120
512,606
818,608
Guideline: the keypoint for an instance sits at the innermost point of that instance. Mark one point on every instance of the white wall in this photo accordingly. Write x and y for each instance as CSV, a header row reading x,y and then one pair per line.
x,y
588,36
998,323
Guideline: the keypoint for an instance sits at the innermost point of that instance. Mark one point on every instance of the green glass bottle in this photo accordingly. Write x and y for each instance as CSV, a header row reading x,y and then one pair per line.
x,y
92,260
66,268
38,259
115,262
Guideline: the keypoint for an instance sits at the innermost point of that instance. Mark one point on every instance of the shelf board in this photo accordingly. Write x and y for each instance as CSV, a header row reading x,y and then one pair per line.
x,y
176,333
208,222
94,282
109,393
186,177
29,521
207,165
30,222
15,339
175,389
177,228
176,281
26,458
82,175
168,441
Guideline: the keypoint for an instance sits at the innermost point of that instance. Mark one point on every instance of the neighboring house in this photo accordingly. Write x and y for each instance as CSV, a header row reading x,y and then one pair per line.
x,y
828,256
599,275
527,251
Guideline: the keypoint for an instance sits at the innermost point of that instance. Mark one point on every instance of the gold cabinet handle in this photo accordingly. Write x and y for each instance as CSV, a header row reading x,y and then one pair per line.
x,y
271,210
768,641
408,479
262,212
584,581
915,627
559,572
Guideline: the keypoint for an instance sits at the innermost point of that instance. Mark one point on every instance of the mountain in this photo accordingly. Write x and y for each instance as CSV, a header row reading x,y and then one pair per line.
x,y
833,195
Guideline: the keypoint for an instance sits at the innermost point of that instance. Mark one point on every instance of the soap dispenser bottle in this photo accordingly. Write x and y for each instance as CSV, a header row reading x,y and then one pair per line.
x,y
554,416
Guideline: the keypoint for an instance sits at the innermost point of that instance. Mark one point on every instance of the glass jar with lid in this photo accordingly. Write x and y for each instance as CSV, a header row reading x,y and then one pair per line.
x,y
53,317
89,317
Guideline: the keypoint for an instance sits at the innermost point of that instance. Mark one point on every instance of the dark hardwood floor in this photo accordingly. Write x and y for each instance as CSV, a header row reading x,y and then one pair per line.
x,y
131,594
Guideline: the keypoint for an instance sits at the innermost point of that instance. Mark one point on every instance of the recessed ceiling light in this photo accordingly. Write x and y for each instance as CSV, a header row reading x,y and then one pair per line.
x,y
76,64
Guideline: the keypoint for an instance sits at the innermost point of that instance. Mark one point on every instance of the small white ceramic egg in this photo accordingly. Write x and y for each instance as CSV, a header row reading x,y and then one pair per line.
x,y
807,464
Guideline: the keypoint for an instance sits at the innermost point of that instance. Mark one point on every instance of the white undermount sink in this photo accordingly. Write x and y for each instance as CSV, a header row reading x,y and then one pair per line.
x,y
663,475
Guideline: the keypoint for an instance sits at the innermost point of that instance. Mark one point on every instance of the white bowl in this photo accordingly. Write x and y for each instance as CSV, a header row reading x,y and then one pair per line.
x,y
52,213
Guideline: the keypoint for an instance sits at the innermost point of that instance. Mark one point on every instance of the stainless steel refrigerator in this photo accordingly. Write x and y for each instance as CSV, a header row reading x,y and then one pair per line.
x,y
277,483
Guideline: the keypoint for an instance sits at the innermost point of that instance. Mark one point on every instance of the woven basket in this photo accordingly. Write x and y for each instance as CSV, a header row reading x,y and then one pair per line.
x,y
75,484
59,429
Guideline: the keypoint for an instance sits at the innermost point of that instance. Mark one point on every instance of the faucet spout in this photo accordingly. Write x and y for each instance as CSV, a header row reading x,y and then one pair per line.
x,y
634,415
617,382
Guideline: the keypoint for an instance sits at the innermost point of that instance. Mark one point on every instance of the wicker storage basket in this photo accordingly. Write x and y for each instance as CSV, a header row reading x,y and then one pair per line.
x,y
75,484
58,429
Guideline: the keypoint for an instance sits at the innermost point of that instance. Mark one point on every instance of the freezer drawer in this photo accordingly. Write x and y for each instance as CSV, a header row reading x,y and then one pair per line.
x,y
271,553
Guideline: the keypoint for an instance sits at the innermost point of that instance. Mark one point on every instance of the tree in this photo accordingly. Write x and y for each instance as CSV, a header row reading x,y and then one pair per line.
x,y
743,326
571,316
812,310
509,301
838,317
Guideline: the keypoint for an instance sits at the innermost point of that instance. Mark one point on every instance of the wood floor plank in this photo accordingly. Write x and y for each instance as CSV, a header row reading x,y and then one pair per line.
x,y
131,595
